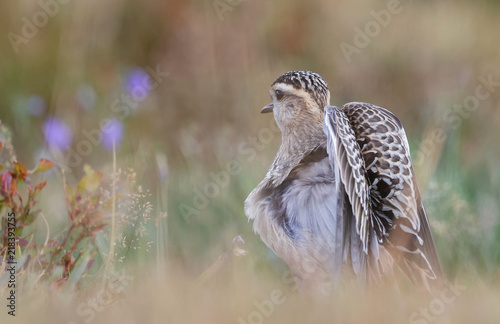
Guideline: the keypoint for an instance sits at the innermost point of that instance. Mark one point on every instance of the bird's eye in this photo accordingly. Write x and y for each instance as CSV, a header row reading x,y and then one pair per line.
x,y
279,94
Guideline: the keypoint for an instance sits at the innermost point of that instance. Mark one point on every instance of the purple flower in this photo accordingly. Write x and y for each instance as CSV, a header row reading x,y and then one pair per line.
x,y
57,134
112,131
138,84
36,105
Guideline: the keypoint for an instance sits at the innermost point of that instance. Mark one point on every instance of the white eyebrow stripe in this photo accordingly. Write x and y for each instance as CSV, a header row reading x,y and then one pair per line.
x,y
283,87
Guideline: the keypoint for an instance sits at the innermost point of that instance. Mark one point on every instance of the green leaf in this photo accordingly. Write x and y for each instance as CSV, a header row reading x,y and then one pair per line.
x,y
90,181
19,230
44,165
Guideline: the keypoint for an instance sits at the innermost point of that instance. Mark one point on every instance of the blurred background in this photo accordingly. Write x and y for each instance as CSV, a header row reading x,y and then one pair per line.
x,y
178,86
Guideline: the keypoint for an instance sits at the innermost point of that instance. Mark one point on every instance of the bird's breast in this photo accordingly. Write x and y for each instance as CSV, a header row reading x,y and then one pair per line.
x,y
310,203
312,208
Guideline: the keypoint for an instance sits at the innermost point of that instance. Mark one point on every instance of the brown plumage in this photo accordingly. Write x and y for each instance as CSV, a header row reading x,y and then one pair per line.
x,y
341,197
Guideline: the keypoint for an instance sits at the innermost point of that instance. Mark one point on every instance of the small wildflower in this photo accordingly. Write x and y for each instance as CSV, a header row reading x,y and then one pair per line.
x,y
138,84
57,133
112,132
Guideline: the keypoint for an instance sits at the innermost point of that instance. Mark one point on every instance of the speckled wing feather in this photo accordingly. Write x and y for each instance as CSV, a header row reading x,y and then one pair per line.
x,y
397,215
347,163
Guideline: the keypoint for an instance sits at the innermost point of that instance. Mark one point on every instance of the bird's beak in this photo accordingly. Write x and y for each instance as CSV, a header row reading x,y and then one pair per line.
x,y
267,109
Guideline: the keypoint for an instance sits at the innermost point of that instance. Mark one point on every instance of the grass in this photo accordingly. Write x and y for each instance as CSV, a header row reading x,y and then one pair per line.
x,y
199,278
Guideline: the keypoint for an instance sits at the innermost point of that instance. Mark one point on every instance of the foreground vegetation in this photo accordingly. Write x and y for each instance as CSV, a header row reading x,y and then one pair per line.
x,y
209,273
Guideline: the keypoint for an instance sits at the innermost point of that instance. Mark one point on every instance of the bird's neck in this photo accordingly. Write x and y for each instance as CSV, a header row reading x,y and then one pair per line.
x,y
298,142
295,145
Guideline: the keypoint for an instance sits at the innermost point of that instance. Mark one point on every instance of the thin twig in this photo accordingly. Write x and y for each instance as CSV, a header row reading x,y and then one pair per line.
x,y
113,211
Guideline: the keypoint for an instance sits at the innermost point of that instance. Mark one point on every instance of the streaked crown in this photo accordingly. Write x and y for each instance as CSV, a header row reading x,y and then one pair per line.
x,y
308,81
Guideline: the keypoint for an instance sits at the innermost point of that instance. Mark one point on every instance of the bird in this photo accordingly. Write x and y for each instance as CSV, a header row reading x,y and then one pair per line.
x,y
340,202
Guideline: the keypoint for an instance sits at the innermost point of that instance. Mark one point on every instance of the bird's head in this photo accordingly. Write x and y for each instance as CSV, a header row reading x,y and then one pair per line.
x,y
298,99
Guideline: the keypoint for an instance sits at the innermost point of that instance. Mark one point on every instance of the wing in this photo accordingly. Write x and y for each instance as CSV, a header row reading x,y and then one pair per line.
x,y
396,211
347,163
360,248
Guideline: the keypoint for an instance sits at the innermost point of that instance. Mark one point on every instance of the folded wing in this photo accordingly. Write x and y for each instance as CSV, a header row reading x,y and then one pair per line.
x,y
368,149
